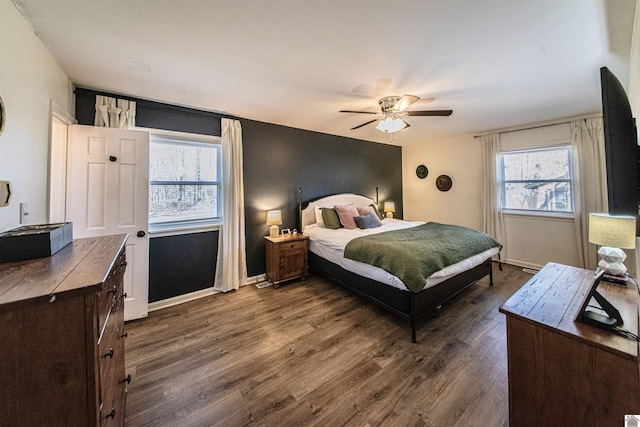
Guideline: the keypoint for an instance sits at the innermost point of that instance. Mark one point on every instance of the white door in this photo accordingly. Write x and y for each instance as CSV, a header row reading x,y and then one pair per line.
x,y
107,193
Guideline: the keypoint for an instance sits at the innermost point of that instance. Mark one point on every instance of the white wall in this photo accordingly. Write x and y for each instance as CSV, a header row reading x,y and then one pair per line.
x,y
461,159
29,79
532,241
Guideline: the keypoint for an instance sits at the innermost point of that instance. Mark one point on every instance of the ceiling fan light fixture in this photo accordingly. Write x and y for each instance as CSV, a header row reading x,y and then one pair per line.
x,y
391,124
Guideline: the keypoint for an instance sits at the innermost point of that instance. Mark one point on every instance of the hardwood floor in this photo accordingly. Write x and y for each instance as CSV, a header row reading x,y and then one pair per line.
x,y
313,354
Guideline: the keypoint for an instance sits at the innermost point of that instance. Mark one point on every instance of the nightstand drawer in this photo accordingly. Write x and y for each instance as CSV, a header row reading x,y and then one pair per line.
x,y
294,246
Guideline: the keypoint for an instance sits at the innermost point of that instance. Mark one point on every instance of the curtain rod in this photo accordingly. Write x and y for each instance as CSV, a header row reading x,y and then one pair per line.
x,y
553,123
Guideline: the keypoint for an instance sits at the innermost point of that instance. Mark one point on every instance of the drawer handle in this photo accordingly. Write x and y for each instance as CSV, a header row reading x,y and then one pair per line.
x,y
111,414
112,290
123,263
124,295
127,380
109,354
125,335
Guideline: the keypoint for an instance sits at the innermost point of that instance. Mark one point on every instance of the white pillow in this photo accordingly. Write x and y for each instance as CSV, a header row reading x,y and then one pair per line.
x,y
319,219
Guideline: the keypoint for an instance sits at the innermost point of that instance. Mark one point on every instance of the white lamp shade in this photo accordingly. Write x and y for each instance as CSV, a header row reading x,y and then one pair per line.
x,y
389,207
274,218
615,231
391,125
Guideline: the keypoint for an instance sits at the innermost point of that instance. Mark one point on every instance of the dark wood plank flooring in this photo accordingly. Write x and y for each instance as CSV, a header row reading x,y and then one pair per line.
x,y
313,354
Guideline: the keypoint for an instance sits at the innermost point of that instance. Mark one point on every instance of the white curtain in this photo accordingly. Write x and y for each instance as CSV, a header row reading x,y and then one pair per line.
x,y
590,182
493,218
115,113
231,267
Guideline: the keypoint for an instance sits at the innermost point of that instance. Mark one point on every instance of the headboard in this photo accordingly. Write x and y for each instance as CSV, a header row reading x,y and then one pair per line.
x,y
309,212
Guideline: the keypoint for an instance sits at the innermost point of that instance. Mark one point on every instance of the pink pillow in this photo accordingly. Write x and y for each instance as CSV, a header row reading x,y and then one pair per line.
x,y
364,210
346,214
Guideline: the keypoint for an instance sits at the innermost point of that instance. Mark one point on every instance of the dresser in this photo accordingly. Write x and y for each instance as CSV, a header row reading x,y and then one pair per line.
x,y
563,372
62,337
286,257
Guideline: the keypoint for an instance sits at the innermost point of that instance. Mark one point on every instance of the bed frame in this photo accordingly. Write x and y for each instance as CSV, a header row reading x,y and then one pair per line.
x,y
408,305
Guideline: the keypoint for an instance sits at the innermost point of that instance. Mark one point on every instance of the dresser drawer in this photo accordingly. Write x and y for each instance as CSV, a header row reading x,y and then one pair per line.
x,y
112,290
111,366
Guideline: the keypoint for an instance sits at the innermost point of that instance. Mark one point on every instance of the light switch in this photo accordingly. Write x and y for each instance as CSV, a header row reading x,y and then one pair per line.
x,y
24,212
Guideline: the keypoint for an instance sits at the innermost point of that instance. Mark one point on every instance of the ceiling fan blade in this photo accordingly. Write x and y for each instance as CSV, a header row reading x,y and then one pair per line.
x,y
404,102
364,124
430,113
360,112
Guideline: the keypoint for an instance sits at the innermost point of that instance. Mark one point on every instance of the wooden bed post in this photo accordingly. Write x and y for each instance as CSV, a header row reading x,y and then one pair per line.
x,y
300,225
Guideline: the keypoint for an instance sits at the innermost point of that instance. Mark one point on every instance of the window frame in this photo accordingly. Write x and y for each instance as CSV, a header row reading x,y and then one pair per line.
x,y
534,212
191,225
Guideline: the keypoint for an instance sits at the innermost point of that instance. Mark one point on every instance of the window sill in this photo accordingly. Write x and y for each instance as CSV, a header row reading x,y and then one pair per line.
x,y
175,230
554,216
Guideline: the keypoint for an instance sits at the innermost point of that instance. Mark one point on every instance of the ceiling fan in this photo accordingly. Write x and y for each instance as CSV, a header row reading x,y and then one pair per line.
x,y
391,117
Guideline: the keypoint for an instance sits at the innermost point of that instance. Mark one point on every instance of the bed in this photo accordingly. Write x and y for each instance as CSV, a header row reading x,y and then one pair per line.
x,y
327,257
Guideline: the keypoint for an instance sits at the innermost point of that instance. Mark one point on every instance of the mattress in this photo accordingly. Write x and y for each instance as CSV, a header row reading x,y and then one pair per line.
x,y
329,244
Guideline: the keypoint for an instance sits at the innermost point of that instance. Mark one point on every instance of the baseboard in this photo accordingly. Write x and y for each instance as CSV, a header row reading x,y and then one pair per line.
x,y
523,264
254,280
170,302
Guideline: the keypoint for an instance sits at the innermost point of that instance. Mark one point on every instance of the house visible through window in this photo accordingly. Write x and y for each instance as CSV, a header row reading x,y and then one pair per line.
x,y
184,182
537,180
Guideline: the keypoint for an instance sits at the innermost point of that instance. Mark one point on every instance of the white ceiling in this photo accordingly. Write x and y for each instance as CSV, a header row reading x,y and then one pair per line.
x,y
495,63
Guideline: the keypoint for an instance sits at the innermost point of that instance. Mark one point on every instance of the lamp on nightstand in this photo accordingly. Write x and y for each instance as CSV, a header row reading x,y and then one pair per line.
x,y
389,208
614,233
274,219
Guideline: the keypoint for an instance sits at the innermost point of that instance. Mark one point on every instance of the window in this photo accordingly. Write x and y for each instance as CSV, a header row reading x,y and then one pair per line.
x,y
537,180
184,182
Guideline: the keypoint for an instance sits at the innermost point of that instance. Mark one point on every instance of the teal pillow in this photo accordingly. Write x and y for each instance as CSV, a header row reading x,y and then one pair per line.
x,y
330,218
375,209
367,221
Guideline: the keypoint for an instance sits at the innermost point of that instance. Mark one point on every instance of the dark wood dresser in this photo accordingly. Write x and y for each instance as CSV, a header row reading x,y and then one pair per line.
x,y
62,337
563,372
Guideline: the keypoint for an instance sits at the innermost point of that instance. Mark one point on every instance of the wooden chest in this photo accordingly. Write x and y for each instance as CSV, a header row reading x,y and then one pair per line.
x,y
62,335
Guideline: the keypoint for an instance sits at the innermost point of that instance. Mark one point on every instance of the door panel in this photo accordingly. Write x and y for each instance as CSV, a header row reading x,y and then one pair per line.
x,y
107,193
96,199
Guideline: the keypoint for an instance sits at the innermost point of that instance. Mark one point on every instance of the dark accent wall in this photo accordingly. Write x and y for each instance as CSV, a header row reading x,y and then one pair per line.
x,y
277,161
181,264
151,114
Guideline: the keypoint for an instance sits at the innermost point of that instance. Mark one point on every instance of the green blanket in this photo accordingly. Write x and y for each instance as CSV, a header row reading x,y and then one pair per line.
x,y
415,253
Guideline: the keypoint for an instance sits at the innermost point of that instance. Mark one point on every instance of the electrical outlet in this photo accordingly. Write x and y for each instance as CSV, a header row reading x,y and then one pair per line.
x,y
24,212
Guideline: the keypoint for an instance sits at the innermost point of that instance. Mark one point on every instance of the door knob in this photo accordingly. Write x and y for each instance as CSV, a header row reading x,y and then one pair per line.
x,y
141,233
112,158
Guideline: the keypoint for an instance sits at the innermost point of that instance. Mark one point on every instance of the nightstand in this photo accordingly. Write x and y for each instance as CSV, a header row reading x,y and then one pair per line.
x,y
286,257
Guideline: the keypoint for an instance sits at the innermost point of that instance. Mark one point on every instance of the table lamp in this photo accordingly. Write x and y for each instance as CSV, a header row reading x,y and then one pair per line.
x,y
389,208
613,233
274,219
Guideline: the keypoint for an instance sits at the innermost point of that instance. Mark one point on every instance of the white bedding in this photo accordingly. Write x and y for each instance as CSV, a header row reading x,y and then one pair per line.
x,y
330,244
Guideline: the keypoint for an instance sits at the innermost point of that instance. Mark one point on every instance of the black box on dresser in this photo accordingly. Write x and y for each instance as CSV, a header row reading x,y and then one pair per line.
x,y
34,241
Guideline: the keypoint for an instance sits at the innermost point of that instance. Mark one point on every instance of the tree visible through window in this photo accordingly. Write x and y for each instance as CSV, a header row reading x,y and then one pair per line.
x,y
537,180
184,180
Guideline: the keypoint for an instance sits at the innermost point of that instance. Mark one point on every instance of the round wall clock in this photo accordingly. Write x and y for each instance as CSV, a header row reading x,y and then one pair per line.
x,y
444,183
3,116
422,171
